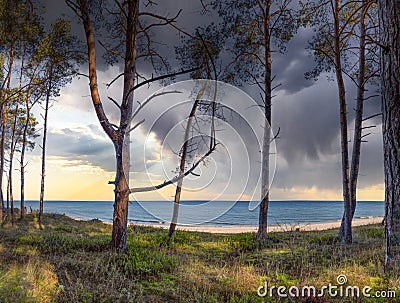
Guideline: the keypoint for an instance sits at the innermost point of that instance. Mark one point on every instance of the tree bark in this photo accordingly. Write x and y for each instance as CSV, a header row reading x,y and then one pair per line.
x,y
263,215
121,203
389,20
10,168
4,127
177,198
357,138
22,166
122,148
2,148
120,137
44,142
22,158
343,127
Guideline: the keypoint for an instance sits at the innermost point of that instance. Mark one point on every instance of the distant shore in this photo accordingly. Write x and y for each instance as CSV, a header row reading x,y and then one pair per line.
x,y
273,228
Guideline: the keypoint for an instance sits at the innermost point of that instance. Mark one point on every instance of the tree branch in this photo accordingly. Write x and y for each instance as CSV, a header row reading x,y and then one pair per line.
x,y
173,180
148,81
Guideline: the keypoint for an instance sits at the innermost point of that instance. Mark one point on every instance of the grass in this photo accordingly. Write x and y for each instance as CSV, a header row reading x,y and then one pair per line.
x,y
71,261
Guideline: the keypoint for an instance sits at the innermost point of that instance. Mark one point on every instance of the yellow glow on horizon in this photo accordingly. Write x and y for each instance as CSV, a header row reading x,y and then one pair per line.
x,y
66,180
372,193
78,180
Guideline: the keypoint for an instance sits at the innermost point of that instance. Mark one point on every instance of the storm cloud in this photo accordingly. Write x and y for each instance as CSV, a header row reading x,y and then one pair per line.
x,y
306,111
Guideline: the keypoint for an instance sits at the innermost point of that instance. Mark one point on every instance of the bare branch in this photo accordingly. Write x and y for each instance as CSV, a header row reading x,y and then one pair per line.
x,y
370,117
115,102
173,180
136,126
276,135
141,105
115,79
366,127
83,75
153,79
363,136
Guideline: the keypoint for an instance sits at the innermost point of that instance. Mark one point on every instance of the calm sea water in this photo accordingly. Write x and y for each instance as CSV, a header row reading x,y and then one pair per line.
x,y
214,213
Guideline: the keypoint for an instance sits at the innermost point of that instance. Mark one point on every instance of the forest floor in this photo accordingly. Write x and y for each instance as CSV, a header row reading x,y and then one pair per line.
x,y
71,261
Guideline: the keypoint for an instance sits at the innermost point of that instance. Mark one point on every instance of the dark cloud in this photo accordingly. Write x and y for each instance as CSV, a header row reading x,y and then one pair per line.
x,y
290,67
308,121
307,113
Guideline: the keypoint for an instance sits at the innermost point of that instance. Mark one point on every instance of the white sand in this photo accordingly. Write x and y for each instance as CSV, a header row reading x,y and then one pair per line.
x,y
247,228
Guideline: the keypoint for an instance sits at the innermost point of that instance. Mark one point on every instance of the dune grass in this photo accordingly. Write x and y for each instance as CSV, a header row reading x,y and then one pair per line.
x,y
71,261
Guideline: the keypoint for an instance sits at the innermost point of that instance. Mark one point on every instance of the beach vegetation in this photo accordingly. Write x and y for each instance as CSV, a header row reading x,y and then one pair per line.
x,y
71,260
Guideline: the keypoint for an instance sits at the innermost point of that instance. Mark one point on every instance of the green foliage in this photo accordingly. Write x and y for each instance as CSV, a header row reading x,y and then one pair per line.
x,y
255,29
202,51
320,15
325,240
374,233
244,242
59,57
142,263
17,118
161,239
56,243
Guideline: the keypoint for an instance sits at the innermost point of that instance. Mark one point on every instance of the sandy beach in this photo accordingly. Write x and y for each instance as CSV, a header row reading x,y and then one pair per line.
x,y
273,228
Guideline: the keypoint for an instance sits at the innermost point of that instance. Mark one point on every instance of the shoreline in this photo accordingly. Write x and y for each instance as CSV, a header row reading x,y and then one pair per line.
x,y
272,228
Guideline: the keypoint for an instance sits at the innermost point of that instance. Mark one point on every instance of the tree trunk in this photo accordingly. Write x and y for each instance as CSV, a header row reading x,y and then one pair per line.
x,y
389,20
8,194
177,199
13,146
2,155
263,215
120,137
22,158
22,168
10,169
357,139
343,127
44,142
4,127
122,146
121,203
2,148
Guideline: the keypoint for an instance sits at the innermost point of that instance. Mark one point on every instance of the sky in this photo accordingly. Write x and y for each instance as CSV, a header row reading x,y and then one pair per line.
x,y
306,158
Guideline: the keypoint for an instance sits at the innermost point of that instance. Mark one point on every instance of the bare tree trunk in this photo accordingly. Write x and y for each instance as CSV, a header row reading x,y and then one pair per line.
x,y
4,126
44,142
8,193
10,185
2,148
122,149
120,218
263,215
389,20
2,155
357,139
121,191
22,168
13,146
343,127
177,199
22,158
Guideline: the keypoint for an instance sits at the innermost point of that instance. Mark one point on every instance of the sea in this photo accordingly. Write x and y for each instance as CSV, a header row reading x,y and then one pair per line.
x,y
213,213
